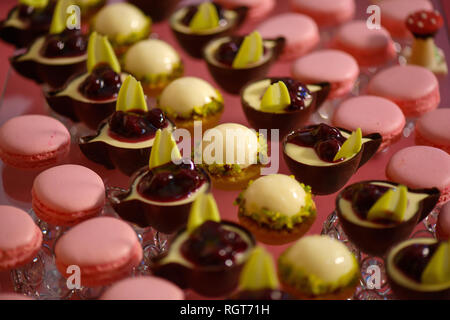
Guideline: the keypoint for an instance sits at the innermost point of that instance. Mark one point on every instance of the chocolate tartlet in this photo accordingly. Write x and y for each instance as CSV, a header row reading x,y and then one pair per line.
x,y
158,10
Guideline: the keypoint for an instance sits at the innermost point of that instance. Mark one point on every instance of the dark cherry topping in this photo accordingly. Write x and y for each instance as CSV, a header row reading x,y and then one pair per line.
x,y
192,10
68,43
39,18
103,83
228,50
171,182
325,140
298,93
413,259
211,244
263,294
136,124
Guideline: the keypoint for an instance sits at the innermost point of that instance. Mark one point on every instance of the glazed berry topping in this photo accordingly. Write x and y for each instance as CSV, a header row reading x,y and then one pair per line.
x,y
298,93
424,23
192,10
24,11
264,294
171,182
413,259
211,244
227,51
103,83
65,44
39,19
136,125
363,196
325,140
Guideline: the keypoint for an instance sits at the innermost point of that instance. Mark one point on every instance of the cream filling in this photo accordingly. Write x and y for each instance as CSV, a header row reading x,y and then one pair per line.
x,y
229,16
402,279
346,209
14,21
34,54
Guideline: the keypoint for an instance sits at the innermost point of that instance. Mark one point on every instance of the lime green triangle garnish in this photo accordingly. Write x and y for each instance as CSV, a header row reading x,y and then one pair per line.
x,y
203,208
437,270
259,271
35,3
276,97
351,146
391,205
131,96
59,19
250,51
205,18
100,51
164,149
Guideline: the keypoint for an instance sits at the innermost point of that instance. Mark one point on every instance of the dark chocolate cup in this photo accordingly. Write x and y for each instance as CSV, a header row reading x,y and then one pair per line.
x,y
26,68
158,10
233,80
193,43
378,241
165,219
207,281
325,180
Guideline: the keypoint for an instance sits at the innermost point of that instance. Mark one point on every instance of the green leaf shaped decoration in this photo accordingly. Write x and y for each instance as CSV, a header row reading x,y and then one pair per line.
x,y
250,51
60,15
276,97
164,149
351,146
35,3
205,18
437,270
100,51
204,208
131,96
259,271
391,205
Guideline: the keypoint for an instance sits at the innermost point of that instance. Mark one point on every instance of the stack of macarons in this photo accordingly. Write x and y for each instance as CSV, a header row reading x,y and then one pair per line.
x,y
326,13
433,129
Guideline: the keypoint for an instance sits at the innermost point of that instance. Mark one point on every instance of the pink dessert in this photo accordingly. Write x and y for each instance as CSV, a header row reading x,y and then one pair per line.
x,y
395,12
326,13
106,249
433,129
33,141
287,25
414,89
443,223
371,114
68,194
370,47
143,288
421,167
336,67
257,9
20,238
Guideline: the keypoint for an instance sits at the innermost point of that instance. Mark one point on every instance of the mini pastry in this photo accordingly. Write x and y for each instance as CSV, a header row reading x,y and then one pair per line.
x,y
68,194
259,280
27,21
208,255
195,25
286,25
414,89
424,25
326,13
325,157
155,63
90,97
318,267
125,138
281,103
371,114
161,194
277,209
432,129
158,10
33,141
419,269
235,61
378,214
336,67
370,47
190,99
20,238
123,23
105,249
257,9
421,167
443,223
143,288
232,164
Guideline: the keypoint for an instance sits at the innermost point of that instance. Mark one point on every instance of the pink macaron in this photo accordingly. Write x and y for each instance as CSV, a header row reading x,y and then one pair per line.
x,y
414,89
336,67
68,194
105,249
20,238
33,141
287,25
326,13
443,223
257,9
143,288
421,167
370,47
433,129
395,12
372,114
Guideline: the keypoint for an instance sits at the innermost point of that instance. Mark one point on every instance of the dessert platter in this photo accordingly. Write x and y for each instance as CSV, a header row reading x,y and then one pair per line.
x,y
334,185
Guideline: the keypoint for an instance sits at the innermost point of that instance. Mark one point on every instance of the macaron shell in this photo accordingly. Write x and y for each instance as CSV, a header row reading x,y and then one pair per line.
x,y
326,12
143,288
258,9
443,223
433,129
